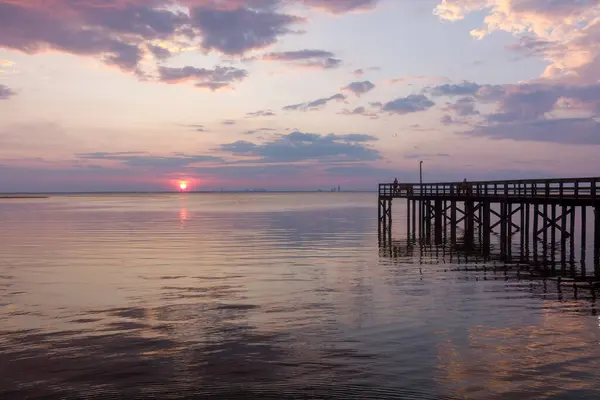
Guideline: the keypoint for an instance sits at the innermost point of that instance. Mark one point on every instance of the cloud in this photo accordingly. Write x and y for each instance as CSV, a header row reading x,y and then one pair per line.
x,y
159,52
358,111
546,112
260,113
113,35
228,122
315,104
124,32
531,46
6,92
196,127
463,107
579,131
449,120
299,146
462,89
236,31
483,93
564,33
359,72
360,88
254,131
342,6
143,159
533,101
309,58
205,78
410,104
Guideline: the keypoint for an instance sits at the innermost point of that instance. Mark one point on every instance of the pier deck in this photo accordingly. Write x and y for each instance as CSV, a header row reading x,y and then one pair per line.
x,y
543,212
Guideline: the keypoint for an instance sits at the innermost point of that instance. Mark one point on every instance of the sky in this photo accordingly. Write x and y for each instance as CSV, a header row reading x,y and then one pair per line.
x,y
137,95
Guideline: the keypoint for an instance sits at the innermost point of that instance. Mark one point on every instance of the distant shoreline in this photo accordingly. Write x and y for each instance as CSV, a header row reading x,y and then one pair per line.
x,y
22,196
47,195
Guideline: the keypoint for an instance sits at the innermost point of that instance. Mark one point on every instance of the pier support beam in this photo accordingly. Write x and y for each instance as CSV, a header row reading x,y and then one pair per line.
x,y
438,217
486,229
597,239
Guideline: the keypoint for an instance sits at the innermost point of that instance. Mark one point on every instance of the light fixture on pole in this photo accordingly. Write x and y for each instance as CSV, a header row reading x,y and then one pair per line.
x,y
421,172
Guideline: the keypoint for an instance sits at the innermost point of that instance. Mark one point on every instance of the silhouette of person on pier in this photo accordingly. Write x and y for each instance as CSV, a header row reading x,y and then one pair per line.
x,y
463,187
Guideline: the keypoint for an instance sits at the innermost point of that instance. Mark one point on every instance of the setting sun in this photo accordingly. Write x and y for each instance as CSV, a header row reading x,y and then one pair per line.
x,y
183,185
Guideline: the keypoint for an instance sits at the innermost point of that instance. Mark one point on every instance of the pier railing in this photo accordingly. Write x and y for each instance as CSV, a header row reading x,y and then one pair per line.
x,y
575,188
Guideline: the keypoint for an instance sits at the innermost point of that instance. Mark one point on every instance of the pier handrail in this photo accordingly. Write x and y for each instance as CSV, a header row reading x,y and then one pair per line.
x,y
573,188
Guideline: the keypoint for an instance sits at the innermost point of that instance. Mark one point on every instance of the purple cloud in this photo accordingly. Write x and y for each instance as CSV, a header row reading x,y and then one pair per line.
x,y
236,31
300,146
410,104
6,92
580,131
315,104
360,88
463,107
260,113
205,78
308,58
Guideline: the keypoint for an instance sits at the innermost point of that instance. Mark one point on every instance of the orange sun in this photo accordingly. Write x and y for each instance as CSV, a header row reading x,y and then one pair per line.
x,y
183,186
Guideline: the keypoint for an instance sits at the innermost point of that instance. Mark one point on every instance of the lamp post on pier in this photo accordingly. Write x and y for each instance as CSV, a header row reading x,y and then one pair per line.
x,y
421,172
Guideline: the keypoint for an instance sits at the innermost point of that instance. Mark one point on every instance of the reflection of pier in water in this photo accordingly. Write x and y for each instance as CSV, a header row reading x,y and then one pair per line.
x,y
473,261
540,224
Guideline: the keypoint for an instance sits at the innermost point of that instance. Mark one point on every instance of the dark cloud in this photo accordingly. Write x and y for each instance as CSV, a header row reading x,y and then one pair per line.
x,y
229,122
527,111
205,78
260,113
6,92
236,31
532,101
327,63
483,93
122,32
409,104
580,131
142,159
360,88
196,127
315,104
113,35
532,46
463,107
361,71
462,89
299,146
254,131
159,52
446,120
297,55
449,120
306,58
358,111
342,6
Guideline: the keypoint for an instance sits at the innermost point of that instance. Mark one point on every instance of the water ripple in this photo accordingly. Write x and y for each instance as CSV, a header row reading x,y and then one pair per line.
x,y
281,296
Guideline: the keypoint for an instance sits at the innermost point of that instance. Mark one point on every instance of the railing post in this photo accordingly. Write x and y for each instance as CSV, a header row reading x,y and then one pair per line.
x,y
577,189
560,189
547,189
593,188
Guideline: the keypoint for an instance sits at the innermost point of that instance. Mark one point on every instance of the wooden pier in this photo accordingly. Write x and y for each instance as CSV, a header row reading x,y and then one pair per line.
x,y
547,217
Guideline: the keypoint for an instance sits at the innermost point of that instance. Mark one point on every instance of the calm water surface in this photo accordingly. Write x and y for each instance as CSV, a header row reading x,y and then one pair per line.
x,y
269,296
